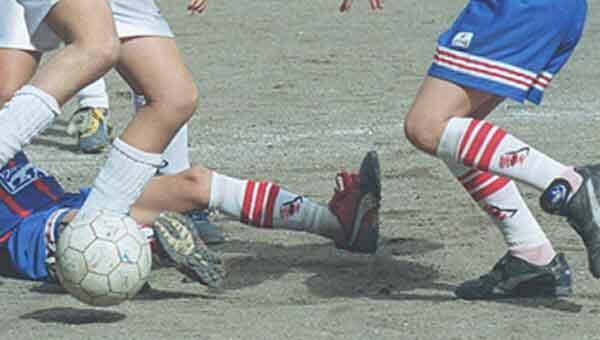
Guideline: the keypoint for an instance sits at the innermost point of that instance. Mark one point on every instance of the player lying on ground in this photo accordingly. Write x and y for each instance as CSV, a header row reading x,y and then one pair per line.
x,y
497,50
33,206
131,35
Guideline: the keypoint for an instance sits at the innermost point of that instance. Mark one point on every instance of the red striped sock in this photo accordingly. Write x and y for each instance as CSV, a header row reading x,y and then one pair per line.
x,y
259,204
481,145
499,197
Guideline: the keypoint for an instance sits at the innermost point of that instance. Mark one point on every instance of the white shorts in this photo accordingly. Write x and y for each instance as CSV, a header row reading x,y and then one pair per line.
x,y
133,18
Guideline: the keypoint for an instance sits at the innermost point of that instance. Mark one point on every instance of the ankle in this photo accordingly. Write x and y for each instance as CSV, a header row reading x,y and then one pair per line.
x,y
539,255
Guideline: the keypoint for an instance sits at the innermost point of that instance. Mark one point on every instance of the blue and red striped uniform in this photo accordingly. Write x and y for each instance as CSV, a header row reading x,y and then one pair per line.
x,y
28,197
24,189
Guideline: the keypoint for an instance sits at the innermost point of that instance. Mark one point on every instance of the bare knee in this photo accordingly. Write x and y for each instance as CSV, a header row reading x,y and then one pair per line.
x,y
185,101
424,132
103,50
175,106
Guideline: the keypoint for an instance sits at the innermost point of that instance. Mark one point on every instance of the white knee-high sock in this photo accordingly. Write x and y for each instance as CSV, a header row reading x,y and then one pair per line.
x,y
176,155
122,178
93,95
29,112
500,198
483,146
266,205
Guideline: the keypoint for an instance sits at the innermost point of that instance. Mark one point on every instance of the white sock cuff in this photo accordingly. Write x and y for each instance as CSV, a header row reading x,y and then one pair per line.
x,y
40,94
448,145
215,188
226,194
135,154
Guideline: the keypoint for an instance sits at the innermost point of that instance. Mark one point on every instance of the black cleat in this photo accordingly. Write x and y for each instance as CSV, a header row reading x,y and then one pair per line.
x,y
581,208
514,277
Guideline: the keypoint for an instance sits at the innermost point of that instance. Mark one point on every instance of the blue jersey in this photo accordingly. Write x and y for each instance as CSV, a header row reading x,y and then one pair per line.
x,y
24,190
28,199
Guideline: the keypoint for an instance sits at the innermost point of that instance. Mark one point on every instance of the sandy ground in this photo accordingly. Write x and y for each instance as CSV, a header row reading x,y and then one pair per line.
x,y
293,91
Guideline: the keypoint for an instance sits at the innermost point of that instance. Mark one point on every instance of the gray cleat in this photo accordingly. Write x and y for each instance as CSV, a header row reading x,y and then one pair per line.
x,y
92,127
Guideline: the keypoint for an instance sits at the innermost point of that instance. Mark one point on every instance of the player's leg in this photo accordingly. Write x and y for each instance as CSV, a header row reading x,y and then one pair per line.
x,y
177,159
350,219
462,83
17,67
91,122
92,48
177,152
153,66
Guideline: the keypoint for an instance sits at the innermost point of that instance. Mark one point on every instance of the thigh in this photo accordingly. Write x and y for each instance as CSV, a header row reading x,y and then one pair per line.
x,y
439,100
153,66
66,19
16,67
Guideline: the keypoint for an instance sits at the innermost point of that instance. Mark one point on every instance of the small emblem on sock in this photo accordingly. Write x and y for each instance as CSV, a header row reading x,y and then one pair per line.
x,y
514,158
500,213
291,207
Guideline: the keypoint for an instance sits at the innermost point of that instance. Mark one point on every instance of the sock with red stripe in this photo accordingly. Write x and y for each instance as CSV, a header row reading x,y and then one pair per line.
x,y
266,205
483,146
500,198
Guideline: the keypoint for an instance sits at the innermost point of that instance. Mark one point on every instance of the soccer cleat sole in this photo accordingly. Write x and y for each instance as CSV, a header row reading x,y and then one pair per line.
x,y
181,243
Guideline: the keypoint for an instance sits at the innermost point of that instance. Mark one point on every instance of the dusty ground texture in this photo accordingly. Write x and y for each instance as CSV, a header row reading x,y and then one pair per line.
x,y
293,91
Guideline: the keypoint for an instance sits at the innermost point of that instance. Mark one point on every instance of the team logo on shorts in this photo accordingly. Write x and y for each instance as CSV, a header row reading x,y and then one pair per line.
x,y
290,208
499,213
513,158
462,39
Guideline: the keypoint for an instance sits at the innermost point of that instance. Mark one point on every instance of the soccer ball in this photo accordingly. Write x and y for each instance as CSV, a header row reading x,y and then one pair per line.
x,y
103,258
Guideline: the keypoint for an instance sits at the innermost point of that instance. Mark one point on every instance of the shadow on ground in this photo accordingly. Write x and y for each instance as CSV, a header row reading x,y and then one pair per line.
x,y
147,293
337,273
73,316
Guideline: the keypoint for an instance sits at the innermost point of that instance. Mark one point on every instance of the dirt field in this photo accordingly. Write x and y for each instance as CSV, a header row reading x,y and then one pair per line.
x,y
293,91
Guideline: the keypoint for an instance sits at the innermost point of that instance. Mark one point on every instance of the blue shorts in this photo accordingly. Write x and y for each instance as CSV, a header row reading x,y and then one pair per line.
x,y
510,49
26,245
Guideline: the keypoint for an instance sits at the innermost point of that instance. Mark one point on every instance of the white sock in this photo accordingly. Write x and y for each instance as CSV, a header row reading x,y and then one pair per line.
x,y
266,205
93,95
177,153
499,197
481,145
29,112
122,178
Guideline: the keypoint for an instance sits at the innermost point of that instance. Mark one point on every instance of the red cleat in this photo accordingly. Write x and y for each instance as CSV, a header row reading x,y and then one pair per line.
x,y
356,204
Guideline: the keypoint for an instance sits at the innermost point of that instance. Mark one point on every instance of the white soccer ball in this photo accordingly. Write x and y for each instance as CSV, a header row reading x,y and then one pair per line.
x,y
103,258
